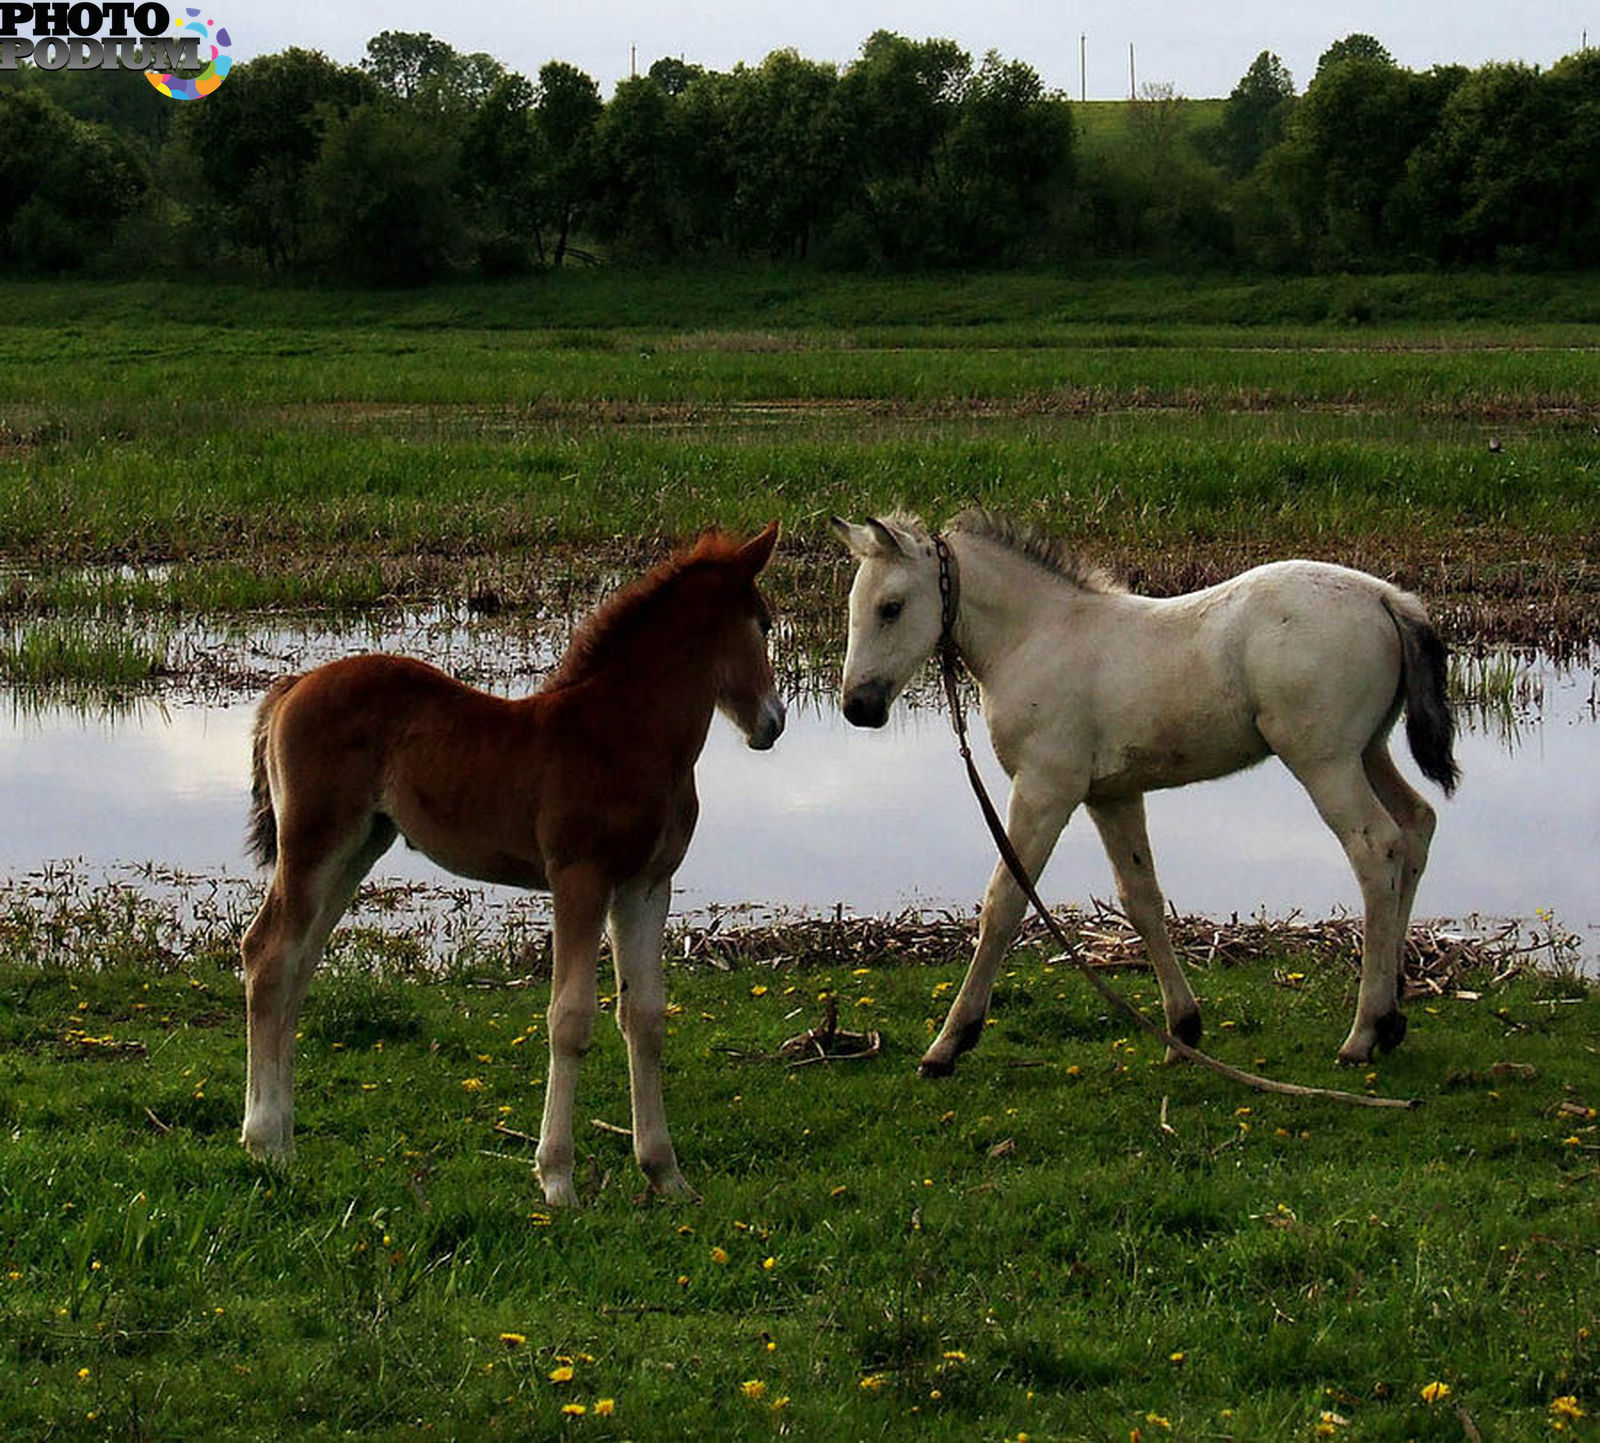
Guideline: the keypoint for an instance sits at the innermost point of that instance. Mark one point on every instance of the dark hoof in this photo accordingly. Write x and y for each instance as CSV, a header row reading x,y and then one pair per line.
x,y
967,1038
935,1067
1187,1029
1391,1031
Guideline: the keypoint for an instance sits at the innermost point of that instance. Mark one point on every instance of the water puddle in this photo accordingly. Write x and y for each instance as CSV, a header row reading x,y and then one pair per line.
x,y
870,822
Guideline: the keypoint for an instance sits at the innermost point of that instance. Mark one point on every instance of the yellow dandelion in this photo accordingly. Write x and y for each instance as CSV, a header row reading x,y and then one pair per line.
x,y
1155,1420
874,1381
759,990
1435,1392
719,1256
954,1355
604,1407
513,1340
472,1084
83,1375
1567,1408
1175,1357
768,1264
574,1410
561,1373
839,1191
780,1402
753,1388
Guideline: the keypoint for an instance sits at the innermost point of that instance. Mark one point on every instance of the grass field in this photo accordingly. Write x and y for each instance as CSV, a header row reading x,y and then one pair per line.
x,y
295,447
1024,1250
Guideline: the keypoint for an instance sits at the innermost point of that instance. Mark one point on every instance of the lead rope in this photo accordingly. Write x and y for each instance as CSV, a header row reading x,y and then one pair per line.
x,y
949,664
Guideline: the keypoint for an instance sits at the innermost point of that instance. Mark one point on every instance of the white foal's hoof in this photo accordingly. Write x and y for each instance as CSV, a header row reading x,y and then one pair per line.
x,y
558,1190
673,1187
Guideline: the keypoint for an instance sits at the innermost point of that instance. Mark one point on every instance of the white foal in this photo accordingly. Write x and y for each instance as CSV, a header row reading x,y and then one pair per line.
x,y
1095,696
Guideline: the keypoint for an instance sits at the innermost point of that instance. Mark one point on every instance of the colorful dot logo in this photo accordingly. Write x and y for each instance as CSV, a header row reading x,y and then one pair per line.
x,y
212,37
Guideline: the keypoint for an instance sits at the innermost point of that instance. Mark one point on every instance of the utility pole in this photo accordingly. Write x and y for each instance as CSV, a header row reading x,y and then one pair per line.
x,y
1133,93
1083,65
633,62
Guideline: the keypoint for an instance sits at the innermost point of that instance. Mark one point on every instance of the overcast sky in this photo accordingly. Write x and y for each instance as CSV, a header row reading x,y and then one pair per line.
x,y
1202,50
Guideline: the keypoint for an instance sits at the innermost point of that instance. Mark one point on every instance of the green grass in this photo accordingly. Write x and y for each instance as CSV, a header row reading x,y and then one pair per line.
x,y
76,655
1019,1250
299,448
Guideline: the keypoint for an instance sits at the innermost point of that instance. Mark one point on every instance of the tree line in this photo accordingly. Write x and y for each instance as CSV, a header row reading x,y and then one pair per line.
x,y
422,161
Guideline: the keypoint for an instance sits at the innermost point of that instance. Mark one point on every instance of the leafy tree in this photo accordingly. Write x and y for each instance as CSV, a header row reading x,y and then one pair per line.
x,y
252,152
1256,112
1357,46
501,161
402,62
380,198
1510,170
896,106
782,165
65,185
417,68
1341,172
639,170
566,112
673,75
1009,156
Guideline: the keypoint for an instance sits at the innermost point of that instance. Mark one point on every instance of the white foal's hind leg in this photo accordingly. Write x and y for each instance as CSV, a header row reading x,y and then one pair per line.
x,y
1376,848
1122,830
1033,828
636,921
1416,820
580,896
281,951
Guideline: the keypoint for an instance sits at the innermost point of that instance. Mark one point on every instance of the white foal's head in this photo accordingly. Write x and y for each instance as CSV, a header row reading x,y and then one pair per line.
x,y
895,614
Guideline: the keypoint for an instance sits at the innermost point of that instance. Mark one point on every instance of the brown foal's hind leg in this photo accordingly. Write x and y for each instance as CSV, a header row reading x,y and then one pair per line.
x,y
281,951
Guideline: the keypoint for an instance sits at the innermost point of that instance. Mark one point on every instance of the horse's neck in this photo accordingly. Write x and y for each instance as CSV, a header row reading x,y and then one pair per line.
x,y
668,680
1001,602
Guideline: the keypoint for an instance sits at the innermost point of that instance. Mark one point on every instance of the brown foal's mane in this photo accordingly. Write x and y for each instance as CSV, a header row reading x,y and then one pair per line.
x,y
624,614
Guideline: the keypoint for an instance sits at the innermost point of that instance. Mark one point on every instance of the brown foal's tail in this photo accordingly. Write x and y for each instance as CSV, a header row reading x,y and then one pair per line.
x,y
1430,725
262,838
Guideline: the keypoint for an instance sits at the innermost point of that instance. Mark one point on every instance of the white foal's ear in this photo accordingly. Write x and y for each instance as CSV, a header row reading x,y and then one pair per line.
x,y
863,541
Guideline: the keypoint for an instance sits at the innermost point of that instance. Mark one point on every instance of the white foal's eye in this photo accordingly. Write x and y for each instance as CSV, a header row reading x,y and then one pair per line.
x,y
890,611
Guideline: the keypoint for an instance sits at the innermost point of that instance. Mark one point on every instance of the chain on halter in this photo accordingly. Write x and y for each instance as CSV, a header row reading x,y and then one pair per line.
x,y
949,655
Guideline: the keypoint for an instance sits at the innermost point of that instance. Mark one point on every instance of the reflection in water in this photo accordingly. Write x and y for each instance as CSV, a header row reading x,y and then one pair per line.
x,y
873,821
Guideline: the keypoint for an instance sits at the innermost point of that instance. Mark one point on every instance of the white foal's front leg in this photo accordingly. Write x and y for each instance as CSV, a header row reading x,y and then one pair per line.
x,y
580,898
1033,826
636,922
1122,831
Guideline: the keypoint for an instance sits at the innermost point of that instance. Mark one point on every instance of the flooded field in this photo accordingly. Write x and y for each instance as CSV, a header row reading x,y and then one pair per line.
x,y
153,794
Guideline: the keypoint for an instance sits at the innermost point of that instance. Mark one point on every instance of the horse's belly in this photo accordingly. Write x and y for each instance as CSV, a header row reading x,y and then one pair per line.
x,y
485,864
1175,761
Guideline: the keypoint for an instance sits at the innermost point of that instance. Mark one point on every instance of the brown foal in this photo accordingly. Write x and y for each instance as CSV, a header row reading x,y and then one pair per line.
x,y
584,789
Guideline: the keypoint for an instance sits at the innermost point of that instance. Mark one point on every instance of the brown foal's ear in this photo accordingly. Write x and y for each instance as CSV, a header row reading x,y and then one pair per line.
x,y
756,552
